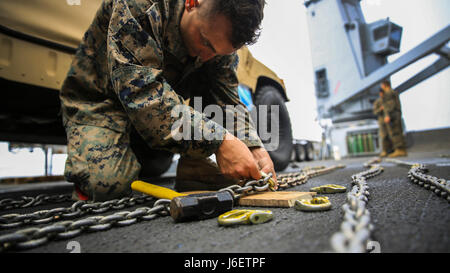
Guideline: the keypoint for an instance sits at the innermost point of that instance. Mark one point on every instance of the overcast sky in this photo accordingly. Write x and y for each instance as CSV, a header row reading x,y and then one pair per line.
x,y
284,47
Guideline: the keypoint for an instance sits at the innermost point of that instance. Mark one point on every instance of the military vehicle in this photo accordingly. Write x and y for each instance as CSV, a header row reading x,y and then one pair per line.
x,y
38,40
389,206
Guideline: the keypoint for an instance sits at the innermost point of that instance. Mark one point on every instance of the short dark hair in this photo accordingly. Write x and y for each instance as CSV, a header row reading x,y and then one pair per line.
x,y
245,17
386,82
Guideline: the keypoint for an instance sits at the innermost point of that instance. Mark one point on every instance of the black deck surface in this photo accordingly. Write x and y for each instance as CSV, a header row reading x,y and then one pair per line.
x,y
406,217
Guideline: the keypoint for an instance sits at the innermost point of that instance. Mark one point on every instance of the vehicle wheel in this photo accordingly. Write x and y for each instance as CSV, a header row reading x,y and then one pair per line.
x,y
153,162
281,154
294,157
300,152
309,151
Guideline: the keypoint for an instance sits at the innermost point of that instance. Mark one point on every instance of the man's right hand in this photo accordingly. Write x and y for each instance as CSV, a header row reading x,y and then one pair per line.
x,y
235,159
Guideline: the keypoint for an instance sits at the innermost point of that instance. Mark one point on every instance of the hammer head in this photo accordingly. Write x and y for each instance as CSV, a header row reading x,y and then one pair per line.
x,y
200,206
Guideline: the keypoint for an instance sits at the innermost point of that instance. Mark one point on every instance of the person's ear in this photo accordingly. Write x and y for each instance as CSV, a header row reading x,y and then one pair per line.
x,y
189,4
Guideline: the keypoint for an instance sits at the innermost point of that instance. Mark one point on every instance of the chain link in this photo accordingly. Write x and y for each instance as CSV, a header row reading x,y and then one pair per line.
x,y
34,237
78,209
285,180
417,175
28,201
356,227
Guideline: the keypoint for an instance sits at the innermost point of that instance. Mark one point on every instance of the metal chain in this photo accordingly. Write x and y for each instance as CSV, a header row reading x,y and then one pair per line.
x,y
28,201
356,227
250,187
288,180
417,175
34,237
78,209
285,180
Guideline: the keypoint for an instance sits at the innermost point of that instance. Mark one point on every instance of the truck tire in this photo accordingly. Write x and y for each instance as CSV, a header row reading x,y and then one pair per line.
x,y
294,157
299,152
309,151
281,156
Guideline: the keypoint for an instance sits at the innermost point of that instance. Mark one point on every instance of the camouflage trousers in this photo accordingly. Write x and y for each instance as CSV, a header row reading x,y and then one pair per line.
x,y
102,165
100,162
391,134
386,144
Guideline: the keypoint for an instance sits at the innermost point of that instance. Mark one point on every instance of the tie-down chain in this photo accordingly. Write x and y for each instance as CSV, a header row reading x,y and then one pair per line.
x,y
36,236
418,175
356,227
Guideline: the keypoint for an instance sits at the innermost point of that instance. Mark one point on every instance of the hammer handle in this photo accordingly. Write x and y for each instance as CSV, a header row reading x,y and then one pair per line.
x,y
155,191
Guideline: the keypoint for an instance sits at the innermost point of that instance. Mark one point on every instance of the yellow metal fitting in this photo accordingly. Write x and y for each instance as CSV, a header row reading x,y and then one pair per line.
x,y
329,188
315,204
240,216
268,178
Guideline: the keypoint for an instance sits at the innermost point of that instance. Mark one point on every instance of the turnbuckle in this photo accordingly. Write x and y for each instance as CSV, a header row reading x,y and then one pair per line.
x,y
315,204
244,216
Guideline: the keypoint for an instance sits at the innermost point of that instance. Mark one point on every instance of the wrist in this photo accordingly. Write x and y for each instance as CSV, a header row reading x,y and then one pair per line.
x,y
226,139
258,152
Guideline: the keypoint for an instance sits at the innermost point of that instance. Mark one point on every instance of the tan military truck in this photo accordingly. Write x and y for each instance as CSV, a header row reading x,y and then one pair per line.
x,y
37,42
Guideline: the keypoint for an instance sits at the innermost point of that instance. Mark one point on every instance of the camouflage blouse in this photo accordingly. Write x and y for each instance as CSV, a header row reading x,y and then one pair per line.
x,y
132,68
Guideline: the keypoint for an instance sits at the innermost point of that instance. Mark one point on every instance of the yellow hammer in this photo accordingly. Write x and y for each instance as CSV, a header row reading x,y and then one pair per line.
x,y
154,190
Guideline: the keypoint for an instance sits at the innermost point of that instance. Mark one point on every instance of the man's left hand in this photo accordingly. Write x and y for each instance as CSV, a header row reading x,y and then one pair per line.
x,y
264,162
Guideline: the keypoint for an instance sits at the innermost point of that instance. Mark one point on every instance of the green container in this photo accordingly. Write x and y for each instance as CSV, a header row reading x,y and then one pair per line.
x,y
355,144
365,144
360,143
352,144
371,147
349,145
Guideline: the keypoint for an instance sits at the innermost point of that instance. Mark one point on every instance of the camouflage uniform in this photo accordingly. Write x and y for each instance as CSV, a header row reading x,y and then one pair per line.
x,y
394,129
132,69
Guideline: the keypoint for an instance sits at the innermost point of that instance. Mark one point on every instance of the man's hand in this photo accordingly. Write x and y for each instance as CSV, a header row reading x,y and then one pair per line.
x,y
387,119
264,162
235,159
